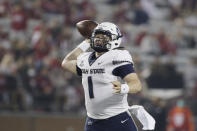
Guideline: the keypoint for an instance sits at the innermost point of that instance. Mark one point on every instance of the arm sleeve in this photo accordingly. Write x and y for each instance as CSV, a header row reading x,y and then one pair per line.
x,y
123,64
123,70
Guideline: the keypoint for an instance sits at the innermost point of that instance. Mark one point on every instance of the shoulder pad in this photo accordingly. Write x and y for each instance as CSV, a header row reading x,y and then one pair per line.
x,y
122,57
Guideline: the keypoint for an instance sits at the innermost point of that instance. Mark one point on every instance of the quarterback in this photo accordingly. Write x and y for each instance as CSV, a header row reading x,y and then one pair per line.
x,y
108,76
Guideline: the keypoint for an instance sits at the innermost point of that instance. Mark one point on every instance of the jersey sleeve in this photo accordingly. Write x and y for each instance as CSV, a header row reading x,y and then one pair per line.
x,y
80,62
123,64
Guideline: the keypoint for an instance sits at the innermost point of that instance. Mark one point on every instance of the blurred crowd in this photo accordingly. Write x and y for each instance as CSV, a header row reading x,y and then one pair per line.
x,y
35,35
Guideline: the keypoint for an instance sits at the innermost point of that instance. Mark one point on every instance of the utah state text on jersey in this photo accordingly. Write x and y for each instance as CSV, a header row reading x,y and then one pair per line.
x,y
93,71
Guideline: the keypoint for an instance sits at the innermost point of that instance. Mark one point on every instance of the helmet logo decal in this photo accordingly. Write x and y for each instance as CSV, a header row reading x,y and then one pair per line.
x,y
118,32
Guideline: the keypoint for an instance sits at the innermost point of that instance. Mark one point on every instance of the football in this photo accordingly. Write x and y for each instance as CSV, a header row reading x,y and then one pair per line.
x,y
86,27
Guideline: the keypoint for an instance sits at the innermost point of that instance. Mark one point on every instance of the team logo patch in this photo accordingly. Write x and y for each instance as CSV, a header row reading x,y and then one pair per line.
x,y
90,122
81,64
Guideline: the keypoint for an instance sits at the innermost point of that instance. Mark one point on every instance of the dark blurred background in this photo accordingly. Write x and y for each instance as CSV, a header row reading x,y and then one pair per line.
x,y
36,94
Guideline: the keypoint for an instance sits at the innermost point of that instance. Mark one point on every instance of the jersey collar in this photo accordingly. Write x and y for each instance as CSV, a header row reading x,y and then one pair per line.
x,y
92,58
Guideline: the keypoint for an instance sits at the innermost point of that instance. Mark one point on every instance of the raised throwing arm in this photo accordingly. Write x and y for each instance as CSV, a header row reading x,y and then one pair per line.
x,y
70,61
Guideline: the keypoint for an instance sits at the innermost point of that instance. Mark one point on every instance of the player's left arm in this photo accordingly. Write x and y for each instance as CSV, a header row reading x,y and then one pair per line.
x,y
133,84
126,71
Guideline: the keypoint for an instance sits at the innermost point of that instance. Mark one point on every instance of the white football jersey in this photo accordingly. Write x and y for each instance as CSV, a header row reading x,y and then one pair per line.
x,y
97,74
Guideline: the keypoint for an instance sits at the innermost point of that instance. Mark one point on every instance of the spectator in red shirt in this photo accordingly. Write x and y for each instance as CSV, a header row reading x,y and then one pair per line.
x,y
18,23
166,46
18,18
180,118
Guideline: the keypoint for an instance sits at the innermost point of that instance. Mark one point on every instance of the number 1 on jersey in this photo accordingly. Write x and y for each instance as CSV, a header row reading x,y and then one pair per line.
x,y
90,87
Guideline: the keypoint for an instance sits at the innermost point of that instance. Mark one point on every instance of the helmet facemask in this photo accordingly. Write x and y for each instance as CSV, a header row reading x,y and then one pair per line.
x,y
100,41
110,31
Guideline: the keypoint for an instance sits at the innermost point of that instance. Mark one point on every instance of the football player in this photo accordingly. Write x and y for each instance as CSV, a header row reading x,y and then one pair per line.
x,y
107,76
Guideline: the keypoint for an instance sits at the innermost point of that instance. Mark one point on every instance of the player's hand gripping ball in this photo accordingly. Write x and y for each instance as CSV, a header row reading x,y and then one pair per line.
x,y
86,27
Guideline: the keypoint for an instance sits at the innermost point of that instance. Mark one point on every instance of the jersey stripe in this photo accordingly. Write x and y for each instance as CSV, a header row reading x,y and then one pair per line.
x,y
123,70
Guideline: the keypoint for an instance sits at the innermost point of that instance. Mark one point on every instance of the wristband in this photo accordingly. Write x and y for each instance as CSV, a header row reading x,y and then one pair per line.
x,y
124,89
84,46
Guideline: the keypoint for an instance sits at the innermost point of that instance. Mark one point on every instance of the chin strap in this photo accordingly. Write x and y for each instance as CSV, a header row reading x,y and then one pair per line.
x,y
143,116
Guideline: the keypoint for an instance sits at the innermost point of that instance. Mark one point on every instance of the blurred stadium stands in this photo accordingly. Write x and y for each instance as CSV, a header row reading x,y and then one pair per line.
x,y
35,35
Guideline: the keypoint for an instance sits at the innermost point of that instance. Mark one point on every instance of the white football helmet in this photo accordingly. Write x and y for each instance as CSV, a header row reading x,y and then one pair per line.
x,y
112,31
